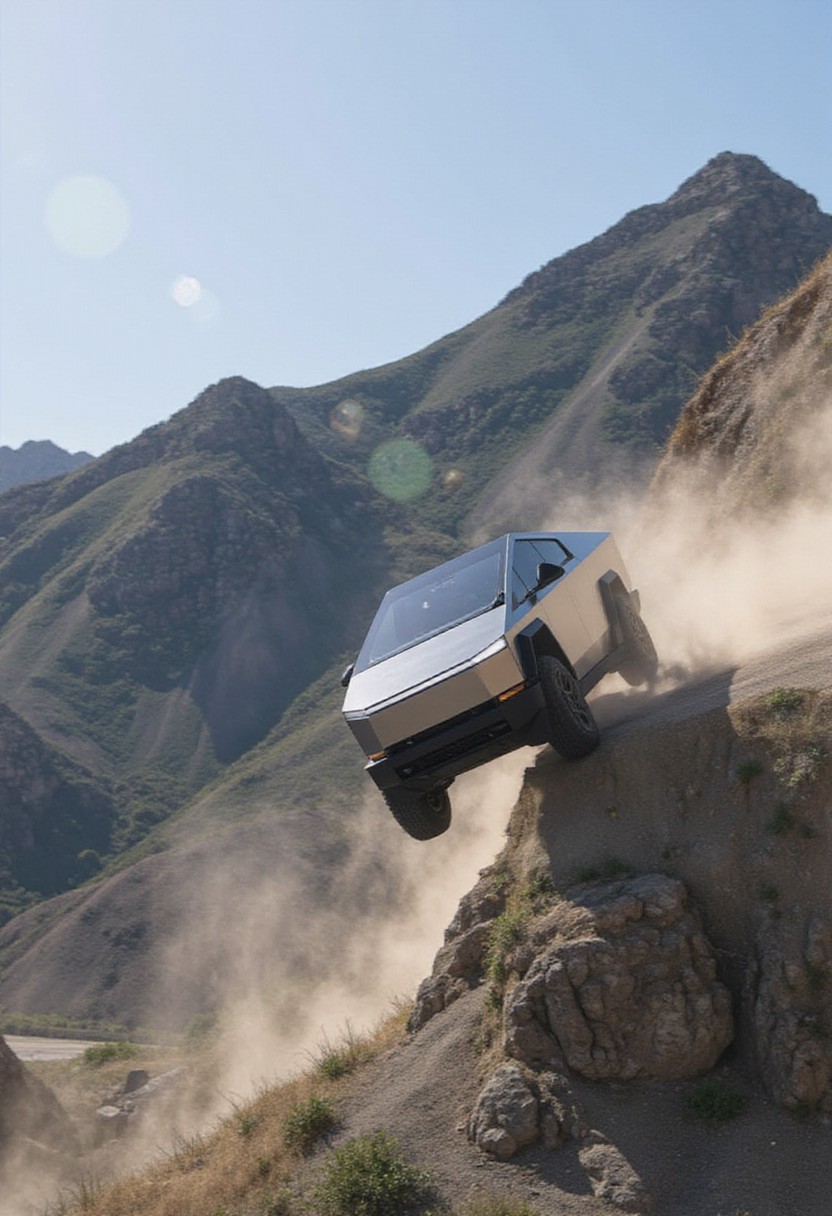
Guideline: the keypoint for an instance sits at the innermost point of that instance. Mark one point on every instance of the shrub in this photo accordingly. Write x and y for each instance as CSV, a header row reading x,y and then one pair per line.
x,y
101,1053
336,1061
748,770
784,702
781,822
306,1123
540,889
505,932
335,1064
369,1177
715,1101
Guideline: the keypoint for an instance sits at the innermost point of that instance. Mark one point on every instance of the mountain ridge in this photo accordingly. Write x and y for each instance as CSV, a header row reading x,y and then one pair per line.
x,y
37,460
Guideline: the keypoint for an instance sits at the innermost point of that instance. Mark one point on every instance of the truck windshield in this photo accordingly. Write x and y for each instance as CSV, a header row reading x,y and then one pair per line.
x,y
434,602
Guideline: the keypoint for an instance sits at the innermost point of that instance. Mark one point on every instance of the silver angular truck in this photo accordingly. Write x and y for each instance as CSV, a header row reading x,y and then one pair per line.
x,y
492,651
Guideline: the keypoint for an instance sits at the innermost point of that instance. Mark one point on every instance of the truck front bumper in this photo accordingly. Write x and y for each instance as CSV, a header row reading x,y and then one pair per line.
x,y
436,756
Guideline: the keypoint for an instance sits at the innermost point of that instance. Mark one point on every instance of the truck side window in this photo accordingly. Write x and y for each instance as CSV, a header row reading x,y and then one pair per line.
x,y
525,560
527,556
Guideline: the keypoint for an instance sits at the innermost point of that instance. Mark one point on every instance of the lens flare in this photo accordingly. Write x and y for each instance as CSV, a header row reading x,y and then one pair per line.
x,y
347,418
200,304
400,469
87,216
186,290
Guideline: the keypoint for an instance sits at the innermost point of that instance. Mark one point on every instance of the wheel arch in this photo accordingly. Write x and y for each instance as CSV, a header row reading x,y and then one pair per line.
x,y
534,641
612,588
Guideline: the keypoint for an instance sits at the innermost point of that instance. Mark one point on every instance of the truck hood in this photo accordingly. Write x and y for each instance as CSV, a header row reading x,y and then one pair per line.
x,y
422,664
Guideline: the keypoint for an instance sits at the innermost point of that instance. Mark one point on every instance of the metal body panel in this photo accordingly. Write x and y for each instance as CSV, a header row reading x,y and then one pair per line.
x,y
499,728
428,661
435,701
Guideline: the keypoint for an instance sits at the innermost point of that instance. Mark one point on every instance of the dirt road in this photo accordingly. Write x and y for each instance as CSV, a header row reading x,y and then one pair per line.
x,y
29,1047
799,656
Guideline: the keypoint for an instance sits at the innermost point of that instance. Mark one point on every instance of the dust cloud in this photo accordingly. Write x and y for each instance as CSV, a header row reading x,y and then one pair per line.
x,y
347,946
299,949
724,572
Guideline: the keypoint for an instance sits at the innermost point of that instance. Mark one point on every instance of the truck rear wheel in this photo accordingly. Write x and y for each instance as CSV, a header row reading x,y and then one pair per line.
x,y
641,662
573,730
422,815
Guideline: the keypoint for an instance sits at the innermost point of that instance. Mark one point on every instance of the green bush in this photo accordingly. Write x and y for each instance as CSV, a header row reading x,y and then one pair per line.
x,y
306,1123
101,1053
369,1177
785,702
748,770
715,1101
504,934
781,822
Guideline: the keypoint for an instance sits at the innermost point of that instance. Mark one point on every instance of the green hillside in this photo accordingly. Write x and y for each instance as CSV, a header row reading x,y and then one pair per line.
x,y
592,357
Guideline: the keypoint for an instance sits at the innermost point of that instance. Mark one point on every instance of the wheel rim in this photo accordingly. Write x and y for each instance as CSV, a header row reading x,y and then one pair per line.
x,y
639,632
573,696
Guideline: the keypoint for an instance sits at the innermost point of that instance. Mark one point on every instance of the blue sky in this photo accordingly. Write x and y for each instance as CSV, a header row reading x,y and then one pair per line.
x,y
293,191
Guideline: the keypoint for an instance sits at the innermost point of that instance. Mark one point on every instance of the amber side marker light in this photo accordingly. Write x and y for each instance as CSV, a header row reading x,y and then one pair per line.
x,y
511,692
377,756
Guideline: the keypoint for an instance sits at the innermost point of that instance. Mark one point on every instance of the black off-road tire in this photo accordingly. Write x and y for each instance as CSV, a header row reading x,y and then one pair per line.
x,y
640,662
422,815
573,731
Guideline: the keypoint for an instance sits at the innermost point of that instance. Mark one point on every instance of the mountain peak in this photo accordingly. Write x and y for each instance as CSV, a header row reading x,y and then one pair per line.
x,y
729,174
37,460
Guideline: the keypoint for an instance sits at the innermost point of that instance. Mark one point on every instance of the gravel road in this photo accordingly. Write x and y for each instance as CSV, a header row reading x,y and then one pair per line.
x,y
29,1047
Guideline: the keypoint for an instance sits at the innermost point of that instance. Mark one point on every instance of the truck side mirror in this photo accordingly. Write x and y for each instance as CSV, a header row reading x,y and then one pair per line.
x,y
548,572
347,675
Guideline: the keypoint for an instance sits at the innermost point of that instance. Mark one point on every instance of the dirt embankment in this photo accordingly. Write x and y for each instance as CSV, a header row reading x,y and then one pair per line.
x,y
732,809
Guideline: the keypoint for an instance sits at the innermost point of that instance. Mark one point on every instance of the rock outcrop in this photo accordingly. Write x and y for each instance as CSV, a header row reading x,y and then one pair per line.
x,y
614,979
626,988
614,982
57,818
518,1107
29,1111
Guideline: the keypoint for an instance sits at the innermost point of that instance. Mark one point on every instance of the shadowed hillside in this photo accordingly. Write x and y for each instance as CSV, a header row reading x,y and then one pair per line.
x,y
37,460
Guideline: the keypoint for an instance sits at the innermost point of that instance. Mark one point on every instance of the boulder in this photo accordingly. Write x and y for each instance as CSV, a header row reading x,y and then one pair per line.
x,y
29,1110
791,1017
628,991
506,1116
612,1178
518,1107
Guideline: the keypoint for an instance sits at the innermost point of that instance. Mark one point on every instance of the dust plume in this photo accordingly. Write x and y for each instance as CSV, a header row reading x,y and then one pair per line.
x,y
728,564
732,565
312,956
298,940
300,931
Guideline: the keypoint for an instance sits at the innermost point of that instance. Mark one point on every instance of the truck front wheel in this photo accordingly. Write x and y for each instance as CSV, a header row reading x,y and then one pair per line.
x,y
572,729
422,815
